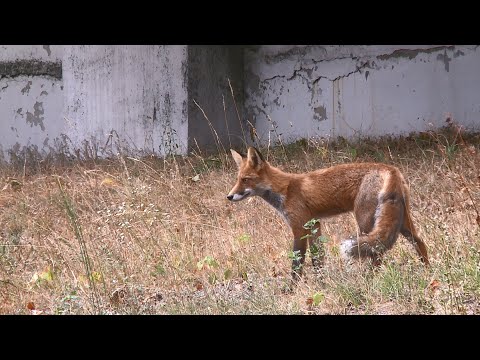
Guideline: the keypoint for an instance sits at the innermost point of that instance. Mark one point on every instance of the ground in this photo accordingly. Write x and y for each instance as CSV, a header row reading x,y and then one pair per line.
x,y
157,236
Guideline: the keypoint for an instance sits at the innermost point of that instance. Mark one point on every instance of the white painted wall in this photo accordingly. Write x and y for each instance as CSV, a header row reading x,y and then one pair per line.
x,y
136,96
31,52
360,90
30,106
136,92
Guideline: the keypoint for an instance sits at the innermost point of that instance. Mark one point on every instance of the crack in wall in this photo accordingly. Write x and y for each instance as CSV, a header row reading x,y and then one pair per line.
x,y
399,53
357,70
298,72
274,77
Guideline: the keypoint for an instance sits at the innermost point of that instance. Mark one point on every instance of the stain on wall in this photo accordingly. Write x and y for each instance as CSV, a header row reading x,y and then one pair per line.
x,y
36,119
30,67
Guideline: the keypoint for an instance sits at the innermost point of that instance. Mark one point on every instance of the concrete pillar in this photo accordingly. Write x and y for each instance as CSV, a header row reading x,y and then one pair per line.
x,y
209,69
126,97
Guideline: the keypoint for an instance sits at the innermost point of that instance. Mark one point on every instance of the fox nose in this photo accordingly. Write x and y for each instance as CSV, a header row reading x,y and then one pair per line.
x,y
229,197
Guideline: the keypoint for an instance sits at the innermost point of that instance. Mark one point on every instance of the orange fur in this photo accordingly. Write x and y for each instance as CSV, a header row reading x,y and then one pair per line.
x,y
376,193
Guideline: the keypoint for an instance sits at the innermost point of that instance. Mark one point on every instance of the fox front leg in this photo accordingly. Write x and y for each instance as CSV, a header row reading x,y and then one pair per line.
x,y
298,257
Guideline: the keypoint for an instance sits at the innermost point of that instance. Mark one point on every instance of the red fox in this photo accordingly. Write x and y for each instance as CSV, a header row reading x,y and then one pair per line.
x,y
376,193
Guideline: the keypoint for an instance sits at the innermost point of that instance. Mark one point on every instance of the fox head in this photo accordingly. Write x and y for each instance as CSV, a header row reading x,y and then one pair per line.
x,y
251,178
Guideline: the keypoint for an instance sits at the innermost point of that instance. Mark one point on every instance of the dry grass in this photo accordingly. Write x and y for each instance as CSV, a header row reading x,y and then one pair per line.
x,y
157,236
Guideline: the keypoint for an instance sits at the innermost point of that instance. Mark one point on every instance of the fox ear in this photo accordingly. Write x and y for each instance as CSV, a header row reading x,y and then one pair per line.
x,y
237,157
255,158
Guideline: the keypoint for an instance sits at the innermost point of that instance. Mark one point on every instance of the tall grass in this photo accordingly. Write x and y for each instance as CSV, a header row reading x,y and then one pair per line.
x,y
156,236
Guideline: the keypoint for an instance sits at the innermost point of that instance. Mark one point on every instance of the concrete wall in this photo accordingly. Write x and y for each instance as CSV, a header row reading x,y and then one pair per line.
x,y
360,90
209,70
92,100
96,100
30,98
129,97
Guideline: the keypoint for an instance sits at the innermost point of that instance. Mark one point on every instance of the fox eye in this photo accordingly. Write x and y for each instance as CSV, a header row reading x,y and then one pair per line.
x,y
244,180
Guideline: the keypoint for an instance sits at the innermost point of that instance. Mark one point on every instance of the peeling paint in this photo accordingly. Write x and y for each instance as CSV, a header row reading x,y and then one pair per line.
x,y
445,59
299,51
320,113
26,89
16,147
47,49
36,118
411,54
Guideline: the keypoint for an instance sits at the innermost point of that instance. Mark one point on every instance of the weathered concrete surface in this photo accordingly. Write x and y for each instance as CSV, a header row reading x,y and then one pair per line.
x,y
360,90
126,97
209,70
98,100
31,99
51,53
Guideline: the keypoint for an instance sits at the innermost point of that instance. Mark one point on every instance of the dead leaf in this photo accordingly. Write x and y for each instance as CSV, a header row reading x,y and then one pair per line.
x,y
47,274
117,296
274,271
317,298
109,182
15,184
31,306
198,285
434,285
309,301
96,276
12,183
196,178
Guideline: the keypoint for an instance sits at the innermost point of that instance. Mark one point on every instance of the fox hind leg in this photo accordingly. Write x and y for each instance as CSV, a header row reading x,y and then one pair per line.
x,y
379,216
